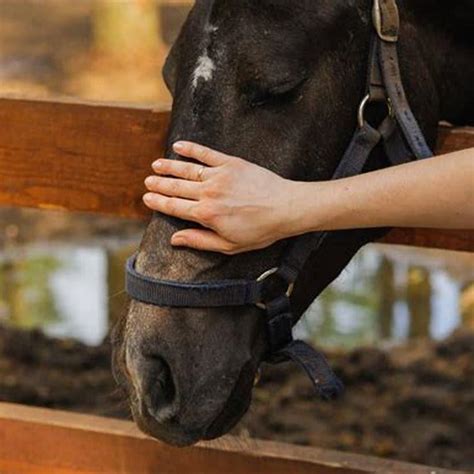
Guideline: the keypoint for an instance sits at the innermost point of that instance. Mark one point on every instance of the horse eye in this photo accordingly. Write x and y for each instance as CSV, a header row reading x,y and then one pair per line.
x,y
277,94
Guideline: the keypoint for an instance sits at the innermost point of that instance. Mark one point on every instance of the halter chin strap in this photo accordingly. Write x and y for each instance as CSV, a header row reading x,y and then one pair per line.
x,y
402,139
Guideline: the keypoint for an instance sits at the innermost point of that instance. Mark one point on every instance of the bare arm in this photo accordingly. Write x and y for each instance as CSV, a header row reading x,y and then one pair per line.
x,y
246,207
434,193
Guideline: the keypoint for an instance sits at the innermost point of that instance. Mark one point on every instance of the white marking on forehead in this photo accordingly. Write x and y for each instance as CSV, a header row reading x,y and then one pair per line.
x,y
205,66
204,69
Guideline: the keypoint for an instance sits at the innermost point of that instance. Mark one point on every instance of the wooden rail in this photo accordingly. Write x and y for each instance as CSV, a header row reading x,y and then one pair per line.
x,y
42,441
94,157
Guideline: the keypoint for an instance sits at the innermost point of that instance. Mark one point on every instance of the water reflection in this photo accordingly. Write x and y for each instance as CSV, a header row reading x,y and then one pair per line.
x,y
26,299
77,291
80,290
67,291
392,294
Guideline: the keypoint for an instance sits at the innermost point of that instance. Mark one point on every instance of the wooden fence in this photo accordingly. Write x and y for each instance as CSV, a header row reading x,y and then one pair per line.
x,y
41,441
93,158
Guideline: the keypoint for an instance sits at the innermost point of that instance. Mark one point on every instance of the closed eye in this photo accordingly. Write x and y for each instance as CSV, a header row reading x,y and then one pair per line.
x,y
277,94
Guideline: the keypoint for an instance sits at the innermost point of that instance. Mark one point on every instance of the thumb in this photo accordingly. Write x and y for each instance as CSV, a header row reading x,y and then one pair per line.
x,y
201,239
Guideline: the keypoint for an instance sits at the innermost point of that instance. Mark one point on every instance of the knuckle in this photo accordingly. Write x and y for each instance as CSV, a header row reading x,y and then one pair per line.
x,y
206,214
204,152
228,172
230,248
212,190
189,172
170,206
198,241
174,186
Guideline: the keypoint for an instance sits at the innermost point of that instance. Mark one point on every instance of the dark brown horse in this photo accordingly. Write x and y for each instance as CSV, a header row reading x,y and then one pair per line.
x,y
278,82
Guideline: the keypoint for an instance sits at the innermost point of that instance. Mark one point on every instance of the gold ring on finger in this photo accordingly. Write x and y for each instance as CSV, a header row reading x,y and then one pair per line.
x,y
200,173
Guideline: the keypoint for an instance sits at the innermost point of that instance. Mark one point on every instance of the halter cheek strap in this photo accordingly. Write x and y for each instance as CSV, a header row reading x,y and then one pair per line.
x,y
402,139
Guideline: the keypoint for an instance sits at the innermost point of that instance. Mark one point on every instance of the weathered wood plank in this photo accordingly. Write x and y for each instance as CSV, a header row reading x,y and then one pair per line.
x,y
454,138
77,157
94,157
40,441
461,240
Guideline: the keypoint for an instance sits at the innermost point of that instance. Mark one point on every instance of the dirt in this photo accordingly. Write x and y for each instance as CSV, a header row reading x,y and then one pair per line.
x,y
414,403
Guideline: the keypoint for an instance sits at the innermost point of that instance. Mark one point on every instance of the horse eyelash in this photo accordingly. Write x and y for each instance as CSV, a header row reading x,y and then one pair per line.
x,y
269,98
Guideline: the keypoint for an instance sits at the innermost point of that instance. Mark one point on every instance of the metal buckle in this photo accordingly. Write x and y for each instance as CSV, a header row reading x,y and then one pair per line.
x,y
386,20
268,274
367,100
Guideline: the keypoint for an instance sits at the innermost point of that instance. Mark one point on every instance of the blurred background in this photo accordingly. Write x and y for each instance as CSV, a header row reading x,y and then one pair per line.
x,y
62,274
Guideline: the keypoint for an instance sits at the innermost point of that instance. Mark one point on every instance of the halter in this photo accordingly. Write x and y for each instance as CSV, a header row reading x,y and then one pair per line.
x,y
402,139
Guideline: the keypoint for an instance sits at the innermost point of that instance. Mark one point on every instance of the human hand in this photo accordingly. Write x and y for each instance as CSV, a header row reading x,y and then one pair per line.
x,y
242,206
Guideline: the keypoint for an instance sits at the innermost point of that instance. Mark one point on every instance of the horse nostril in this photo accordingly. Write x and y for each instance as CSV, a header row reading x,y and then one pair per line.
x,y
158,389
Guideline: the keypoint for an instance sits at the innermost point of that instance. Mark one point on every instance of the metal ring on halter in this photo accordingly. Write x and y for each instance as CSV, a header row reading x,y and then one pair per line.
x,y
365,101
268,274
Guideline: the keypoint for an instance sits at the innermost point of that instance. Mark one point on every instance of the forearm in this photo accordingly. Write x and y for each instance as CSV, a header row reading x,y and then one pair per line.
x,y
434,193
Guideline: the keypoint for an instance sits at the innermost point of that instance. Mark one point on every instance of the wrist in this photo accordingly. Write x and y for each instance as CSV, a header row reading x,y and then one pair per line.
x,y
300,212
315,206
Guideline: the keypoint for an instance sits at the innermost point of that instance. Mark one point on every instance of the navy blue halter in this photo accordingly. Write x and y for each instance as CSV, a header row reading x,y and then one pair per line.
x,y
402,139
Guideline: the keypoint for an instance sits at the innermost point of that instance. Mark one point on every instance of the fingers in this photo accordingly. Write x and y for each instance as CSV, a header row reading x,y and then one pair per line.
x,y
180,169
173,187
201,153
200,239
191,171
172,206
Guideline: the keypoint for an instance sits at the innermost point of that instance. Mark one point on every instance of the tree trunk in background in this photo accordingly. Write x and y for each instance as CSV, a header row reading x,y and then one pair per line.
x,y
385,281
130,28
127,55
117,298
419,301
467,305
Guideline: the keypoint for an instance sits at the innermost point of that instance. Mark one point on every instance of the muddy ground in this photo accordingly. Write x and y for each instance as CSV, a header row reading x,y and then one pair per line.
x,y
414,403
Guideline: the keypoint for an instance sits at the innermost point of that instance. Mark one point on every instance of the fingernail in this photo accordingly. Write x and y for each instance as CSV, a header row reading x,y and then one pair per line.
x,y
156,164
147,197
178,146
149,180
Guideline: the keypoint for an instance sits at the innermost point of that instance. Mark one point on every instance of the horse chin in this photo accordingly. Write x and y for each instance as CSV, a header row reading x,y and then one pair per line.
x,y
237,405
234,409
165,433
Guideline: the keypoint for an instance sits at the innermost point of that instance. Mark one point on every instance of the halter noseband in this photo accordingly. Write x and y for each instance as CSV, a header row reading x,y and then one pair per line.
x,y
402,139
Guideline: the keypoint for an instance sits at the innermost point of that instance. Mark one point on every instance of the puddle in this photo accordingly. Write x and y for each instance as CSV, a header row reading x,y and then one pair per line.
x,y
67,290
392,294
76,290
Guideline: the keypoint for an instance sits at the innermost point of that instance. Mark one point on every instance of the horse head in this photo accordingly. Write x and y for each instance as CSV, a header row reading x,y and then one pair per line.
x,y
278,82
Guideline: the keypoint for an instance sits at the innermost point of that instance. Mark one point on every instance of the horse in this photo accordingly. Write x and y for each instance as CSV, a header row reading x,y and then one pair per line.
x,y
278,82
